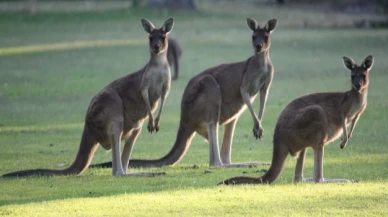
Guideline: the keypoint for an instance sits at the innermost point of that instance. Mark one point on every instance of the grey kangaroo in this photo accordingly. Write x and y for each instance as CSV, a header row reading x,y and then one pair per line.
x,y
117,112
314,121
174,53
218,96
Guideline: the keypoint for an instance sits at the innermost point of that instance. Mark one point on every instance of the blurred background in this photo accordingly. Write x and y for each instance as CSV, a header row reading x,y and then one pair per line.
x,y
359,7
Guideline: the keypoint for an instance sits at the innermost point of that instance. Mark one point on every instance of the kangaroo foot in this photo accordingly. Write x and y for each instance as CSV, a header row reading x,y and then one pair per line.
x,y
118,173
338,181
329,180
250,164
147,174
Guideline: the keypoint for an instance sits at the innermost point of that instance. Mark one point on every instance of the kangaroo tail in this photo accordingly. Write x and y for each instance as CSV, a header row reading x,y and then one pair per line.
x,y
84,156
181,145
280,153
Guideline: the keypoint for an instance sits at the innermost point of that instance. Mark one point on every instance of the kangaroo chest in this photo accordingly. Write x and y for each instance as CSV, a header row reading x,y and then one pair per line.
x,y
156,78
357,106
352,112
257,80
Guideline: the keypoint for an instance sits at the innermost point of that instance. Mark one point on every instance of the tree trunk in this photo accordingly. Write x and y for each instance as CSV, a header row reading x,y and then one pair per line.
x,y
135,3
172,4
31,6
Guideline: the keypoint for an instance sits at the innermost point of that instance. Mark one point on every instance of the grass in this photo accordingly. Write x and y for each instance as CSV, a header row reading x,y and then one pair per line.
x,y
44,96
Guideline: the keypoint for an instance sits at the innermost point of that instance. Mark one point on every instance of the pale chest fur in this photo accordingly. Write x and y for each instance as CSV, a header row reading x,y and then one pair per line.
x,y
353,111
355,105
259,78
156,79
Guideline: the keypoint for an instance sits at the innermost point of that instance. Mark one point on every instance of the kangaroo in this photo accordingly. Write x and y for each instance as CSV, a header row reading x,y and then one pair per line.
x,y
174,52
218,96
314,121
117,112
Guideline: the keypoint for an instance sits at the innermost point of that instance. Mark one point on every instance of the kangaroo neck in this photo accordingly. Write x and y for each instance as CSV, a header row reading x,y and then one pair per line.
x,y
354,100
158,59
361,95
262,58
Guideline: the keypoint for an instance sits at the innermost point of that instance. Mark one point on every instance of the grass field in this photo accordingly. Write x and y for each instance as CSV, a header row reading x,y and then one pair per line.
x,y
44,94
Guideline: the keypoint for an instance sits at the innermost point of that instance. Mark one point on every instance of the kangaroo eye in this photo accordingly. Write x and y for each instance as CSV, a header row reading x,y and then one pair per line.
x,y
363,77
162,38
266,37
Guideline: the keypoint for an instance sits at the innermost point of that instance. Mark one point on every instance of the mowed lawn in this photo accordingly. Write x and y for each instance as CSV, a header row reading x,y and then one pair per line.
x,y
44,96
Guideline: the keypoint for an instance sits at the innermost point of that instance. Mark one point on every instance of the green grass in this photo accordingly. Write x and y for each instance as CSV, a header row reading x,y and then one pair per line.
x,y
44,96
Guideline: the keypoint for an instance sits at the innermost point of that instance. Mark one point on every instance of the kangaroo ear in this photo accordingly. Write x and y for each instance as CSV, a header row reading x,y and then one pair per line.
x,y
147,25
349,63
252,24
368,62
168,24
271,25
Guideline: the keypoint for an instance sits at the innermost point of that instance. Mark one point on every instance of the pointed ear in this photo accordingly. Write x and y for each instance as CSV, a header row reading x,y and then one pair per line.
x,y
349,63
252,24
271,25
368,62
147,25
168,24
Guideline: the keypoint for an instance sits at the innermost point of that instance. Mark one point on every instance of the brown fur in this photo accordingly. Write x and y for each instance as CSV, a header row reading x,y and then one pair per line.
x,y
314,121
174,53
218,96
117,112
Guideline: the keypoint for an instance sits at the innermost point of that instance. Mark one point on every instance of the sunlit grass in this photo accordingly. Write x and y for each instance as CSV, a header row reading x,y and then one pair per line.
x,y
66,46
366,199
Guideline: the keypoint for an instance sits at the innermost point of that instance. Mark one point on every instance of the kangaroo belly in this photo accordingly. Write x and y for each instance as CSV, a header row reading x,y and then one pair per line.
x,y
334,133
135,114
231,111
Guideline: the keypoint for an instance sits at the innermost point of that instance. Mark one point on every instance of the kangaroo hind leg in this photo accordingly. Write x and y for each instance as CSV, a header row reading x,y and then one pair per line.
x,y
115,129
129,143
318,168
206,109
212,114
298,175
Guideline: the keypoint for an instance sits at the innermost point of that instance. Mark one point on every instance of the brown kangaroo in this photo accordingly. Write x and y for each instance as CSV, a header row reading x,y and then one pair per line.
x,y
314,121
174,52
117,112
218,96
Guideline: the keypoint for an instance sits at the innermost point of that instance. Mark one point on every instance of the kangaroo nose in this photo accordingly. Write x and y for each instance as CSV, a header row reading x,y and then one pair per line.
x,y
156,47
258,47
358,86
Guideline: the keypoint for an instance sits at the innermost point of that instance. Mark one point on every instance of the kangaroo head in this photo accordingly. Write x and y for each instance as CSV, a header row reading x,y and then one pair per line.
x,y
158,37
359,74
261,40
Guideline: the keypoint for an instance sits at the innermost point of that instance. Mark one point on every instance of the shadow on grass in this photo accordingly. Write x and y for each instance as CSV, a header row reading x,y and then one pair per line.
x,y
99,182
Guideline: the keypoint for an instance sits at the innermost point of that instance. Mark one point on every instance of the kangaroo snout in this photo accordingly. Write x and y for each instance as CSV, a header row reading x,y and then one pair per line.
x,y
156,47
258,47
